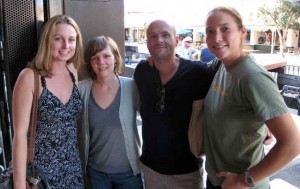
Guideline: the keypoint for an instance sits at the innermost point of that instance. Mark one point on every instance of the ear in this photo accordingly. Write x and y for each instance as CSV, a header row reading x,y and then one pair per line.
x,y
243,33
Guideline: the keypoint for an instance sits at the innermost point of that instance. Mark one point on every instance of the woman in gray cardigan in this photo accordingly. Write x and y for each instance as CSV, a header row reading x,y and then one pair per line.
x,y
108,137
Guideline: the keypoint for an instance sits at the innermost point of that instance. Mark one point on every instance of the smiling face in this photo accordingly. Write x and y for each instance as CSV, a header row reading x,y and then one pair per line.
x,y
63,43
103,63
224,36
161,40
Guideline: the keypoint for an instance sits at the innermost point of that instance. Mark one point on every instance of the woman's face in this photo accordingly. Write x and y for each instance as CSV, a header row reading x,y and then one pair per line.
x,y
103,63
223,37
63,44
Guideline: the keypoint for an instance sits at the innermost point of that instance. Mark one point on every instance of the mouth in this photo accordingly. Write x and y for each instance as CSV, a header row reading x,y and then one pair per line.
x,y
102,68
64,52
160,46
220,46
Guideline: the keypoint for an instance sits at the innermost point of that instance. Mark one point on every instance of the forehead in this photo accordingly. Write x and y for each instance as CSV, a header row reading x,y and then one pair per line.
x,y
159,27
219,18
65,28
105,50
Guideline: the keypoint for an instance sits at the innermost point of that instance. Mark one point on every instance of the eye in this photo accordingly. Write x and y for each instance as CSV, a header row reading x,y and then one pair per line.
x,y
224,29
107,56
210,32
166,35
94,58
72,39
151,36
57,38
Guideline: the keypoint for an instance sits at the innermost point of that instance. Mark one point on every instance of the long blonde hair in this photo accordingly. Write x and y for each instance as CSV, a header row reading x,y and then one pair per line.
x,y
43,59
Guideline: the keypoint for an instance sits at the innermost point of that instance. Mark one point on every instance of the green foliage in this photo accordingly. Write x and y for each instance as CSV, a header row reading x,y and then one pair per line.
x,y
284,14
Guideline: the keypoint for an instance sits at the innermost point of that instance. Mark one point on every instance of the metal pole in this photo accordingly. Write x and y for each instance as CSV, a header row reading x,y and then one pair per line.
x,y
6,102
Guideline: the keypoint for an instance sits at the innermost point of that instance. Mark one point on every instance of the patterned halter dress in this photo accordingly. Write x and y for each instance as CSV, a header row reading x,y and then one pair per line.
x,y
56,151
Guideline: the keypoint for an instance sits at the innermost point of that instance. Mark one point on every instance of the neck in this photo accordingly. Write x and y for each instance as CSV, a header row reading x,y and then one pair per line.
x,y
233,60
167,68
59,68
107,81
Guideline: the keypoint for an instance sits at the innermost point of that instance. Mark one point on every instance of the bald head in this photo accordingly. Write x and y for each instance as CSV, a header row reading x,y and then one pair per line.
x,y
161,24
161,40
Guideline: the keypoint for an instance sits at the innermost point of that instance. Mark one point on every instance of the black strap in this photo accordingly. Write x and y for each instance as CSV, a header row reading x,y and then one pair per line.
x,y
218,65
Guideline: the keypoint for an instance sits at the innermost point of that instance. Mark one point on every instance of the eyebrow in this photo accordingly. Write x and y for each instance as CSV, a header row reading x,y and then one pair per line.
x,y
220,25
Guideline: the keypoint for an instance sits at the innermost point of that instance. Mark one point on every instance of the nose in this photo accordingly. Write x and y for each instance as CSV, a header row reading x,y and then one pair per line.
x,y
218,36
65,43
100,60
160,39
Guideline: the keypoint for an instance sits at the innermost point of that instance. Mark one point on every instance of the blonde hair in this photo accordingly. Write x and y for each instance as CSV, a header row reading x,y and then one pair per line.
x,y
231,11
43,59
96,45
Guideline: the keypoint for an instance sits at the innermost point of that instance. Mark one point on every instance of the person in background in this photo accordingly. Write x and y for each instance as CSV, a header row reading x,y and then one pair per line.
x,y
206,55
108,140
241,104
186,50
167,86
56,152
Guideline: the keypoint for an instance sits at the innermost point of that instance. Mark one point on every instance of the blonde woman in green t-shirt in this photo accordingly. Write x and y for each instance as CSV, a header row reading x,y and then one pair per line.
x,y
241,104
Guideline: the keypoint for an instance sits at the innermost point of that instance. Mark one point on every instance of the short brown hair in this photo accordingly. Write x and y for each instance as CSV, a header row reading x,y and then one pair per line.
x,y
96,45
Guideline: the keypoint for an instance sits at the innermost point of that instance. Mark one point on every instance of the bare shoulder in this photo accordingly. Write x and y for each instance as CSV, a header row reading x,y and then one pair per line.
x,y
26,76
25,81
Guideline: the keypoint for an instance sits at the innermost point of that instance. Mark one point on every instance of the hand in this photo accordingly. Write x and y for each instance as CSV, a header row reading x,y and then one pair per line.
x,y
232,180
269,138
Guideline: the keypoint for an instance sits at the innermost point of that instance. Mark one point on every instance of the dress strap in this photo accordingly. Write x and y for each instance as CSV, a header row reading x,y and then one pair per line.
x,y
72,75
43,81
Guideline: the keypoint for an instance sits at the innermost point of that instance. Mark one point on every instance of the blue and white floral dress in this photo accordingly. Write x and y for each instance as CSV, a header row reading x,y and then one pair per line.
x,y
56,147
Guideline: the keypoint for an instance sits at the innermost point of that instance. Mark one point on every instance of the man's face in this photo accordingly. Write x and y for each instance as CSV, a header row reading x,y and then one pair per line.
x,y
188,44
161,40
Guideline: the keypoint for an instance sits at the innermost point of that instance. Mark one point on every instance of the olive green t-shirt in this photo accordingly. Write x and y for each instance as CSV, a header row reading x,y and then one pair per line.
x,y
238,103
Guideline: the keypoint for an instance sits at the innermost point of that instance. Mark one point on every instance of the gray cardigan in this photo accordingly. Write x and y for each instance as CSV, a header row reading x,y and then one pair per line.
x,y
129,104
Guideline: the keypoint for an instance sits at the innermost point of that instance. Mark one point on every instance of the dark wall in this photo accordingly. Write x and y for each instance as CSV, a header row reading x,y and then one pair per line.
x,y
96,18
19,38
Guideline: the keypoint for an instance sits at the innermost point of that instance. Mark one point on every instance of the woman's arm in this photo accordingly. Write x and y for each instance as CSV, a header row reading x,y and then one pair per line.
x,y
285,150
21,108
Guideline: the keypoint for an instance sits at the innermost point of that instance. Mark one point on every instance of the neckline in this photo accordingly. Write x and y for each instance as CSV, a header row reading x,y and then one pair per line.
x,y
45,89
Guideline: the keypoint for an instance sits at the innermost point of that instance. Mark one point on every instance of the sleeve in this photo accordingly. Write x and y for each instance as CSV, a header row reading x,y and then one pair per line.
x,y
203,76
263,95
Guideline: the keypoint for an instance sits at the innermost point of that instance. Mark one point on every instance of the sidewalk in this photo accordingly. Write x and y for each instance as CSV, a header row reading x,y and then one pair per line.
x,y
288,177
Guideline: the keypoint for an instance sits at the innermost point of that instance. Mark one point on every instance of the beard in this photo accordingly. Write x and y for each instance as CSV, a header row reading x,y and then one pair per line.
x,y
162,54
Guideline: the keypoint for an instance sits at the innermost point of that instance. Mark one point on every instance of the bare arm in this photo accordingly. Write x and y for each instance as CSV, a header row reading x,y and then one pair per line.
x,y
21,107
285,150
